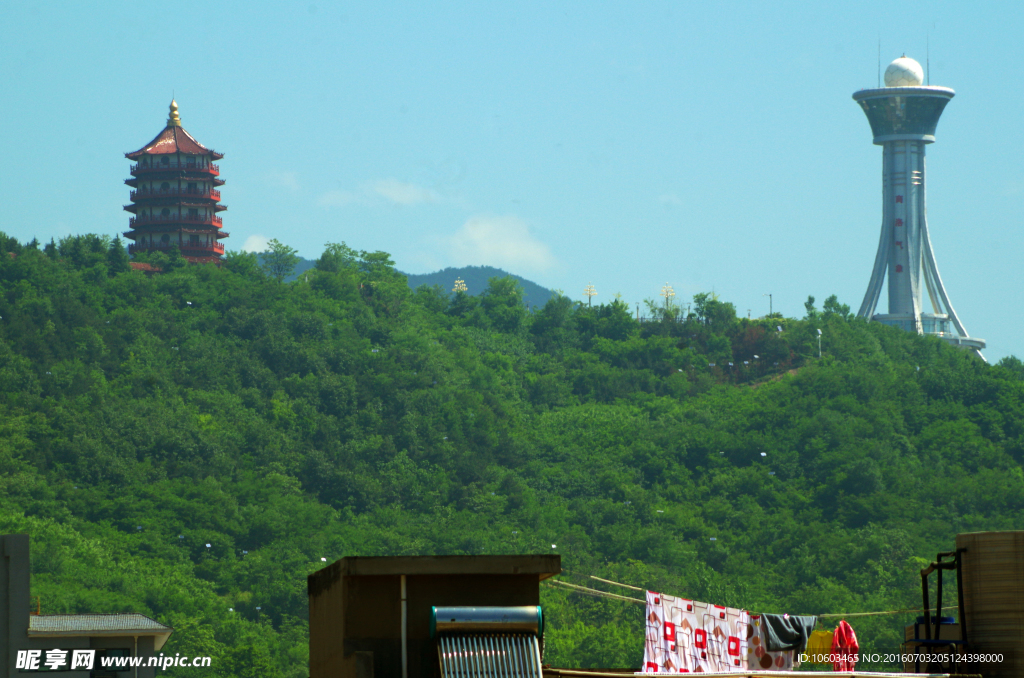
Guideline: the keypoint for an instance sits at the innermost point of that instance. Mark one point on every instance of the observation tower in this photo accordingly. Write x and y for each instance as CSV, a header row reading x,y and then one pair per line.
x,y
174,201
903,116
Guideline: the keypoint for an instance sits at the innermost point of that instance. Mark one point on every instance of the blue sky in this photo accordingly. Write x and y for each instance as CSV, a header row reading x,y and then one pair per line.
x,y
713,146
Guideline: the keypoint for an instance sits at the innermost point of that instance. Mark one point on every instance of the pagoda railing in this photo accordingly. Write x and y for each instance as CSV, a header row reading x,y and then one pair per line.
x,y
197,230
216,248
210,193
212,168
145,219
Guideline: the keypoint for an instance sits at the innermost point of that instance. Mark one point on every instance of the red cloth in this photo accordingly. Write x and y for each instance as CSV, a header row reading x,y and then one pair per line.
x,y
844,647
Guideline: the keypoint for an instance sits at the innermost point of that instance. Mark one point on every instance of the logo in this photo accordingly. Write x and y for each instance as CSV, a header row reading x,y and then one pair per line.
x,y
55,660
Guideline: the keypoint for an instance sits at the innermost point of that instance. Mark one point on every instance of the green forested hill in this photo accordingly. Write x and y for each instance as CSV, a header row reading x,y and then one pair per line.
x,y
193,444
475,277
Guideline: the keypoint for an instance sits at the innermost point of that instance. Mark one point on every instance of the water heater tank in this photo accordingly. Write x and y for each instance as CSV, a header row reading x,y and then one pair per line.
x,y
521,619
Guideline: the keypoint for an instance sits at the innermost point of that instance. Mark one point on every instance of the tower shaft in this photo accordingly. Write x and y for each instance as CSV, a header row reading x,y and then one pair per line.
x,y
903,212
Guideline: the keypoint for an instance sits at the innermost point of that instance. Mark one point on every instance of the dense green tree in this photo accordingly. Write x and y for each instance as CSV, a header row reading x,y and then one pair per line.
x,y
9,245
832,307
609,321
83,251
175,259
810,312
245,264
462,305
337,257
503,304
117,257
279,260
554,326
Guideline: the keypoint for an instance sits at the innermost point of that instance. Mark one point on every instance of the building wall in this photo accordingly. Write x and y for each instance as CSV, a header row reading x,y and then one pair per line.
x,y
327,625
356,620
14,600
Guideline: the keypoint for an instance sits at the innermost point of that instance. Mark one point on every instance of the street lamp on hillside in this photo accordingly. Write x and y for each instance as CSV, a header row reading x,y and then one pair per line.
x,y
668,293
589,292
770,309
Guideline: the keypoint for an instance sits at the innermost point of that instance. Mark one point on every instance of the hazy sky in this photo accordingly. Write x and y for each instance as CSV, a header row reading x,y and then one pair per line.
x,y
710,145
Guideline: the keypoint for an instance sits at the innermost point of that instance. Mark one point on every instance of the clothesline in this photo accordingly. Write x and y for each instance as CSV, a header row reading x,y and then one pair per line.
x,y
615,583
593,592
604,594
871,614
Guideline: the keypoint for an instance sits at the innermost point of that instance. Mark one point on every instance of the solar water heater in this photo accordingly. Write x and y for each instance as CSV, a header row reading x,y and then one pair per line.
x,y
488,642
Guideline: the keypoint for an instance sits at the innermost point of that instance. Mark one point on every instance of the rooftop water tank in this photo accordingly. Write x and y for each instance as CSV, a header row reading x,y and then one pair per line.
x,y
993,583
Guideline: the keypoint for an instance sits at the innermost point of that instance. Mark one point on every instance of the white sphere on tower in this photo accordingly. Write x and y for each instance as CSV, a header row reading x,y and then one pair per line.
x,y
904,72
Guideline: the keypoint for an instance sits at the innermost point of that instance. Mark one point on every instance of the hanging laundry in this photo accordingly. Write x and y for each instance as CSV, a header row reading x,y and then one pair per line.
x,y
819,647
844,647
687,636
758,654
787,632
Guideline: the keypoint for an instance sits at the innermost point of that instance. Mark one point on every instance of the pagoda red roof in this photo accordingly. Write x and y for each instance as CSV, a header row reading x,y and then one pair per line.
x,y
173,139
144,267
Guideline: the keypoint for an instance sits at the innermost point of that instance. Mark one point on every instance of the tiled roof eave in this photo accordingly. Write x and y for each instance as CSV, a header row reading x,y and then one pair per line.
x,y
117,624
173,139
80,633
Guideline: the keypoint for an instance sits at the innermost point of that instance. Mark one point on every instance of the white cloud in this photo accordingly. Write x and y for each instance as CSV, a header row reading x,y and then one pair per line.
x,y
402,193
288,180
392,190
669,199
256,243
1013,187
501,241
338,199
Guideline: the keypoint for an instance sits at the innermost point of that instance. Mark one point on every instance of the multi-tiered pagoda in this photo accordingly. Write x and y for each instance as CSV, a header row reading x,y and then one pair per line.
x,y
174,201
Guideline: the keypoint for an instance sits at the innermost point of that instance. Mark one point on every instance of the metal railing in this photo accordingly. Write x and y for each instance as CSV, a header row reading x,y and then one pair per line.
x,y
183,246
143,219
212,168
657,319
210,193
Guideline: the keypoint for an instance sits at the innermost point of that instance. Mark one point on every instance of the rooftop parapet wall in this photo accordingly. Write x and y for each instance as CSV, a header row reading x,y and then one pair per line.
x,y
355,607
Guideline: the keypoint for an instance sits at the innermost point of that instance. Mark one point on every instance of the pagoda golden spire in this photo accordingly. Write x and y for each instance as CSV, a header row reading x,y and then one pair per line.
x,y
173,120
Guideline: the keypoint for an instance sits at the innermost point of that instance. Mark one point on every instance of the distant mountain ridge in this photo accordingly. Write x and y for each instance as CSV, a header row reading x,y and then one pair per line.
x,y
475,277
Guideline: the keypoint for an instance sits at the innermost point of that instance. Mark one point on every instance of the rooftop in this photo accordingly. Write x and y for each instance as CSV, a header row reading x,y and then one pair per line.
x,y
173,139
126,624
541,566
